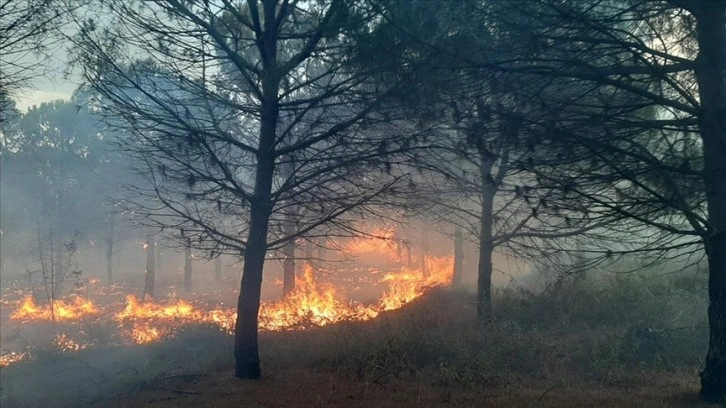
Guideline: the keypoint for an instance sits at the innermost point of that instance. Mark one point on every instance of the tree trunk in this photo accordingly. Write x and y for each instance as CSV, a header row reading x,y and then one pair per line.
x,y
150,275
246,351
711,76
322,248
57,269
218,268
424,251
288,251
409,255
188,268
288,264
109,247
159,260
458,258
486,243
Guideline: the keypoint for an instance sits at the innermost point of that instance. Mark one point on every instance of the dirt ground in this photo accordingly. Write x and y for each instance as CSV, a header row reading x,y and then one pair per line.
x,y
307,388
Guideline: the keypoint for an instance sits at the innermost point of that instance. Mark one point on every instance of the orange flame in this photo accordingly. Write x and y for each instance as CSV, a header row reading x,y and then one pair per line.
x,y
12,357
63,342
382,242
409,284
310,304
145,322
77,308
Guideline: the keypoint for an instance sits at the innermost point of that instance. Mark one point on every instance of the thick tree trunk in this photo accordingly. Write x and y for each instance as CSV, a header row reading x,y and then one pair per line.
x,y
713,376
188,268
711,76
458,258
150,275
246,351
218,268
486,243
109,247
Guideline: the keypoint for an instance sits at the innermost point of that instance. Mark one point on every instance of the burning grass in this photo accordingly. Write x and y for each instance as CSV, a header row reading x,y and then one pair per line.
x,y
75,308
313,303
12,357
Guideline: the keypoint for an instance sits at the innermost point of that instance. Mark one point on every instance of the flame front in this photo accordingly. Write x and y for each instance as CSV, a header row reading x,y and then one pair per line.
x,y
75,309
409,283
145,322
310,304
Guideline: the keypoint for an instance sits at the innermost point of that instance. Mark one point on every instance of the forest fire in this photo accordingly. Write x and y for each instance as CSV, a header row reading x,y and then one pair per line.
x,y
312,304
74,309
12,357
382,242
145,322
409,283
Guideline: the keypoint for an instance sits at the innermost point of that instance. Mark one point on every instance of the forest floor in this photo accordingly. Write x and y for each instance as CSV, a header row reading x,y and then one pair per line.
x,y
433,353
565,347
310,388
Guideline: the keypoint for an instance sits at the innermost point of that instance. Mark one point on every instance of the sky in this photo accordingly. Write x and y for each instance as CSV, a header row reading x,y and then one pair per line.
x,y
49,87
44,93
51,83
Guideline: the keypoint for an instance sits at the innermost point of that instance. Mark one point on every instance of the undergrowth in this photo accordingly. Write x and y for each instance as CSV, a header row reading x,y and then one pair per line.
x,y
627,330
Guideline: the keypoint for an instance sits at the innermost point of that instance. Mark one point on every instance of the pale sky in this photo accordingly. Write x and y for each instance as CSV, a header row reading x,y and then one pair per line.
x,y
51,84
44,93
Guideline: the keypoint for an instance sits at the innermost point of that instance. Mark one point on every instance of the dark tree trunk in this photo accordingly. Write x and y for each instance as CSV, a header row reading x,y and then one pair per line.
x,y
711,76
486,242
246,351
109,247
218,268
188,268
150,275
458,258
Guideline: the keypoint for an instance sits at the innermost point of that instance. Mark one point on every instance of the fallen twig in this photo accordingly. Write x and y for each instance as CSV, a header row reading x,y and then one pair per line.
x,y
548,390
